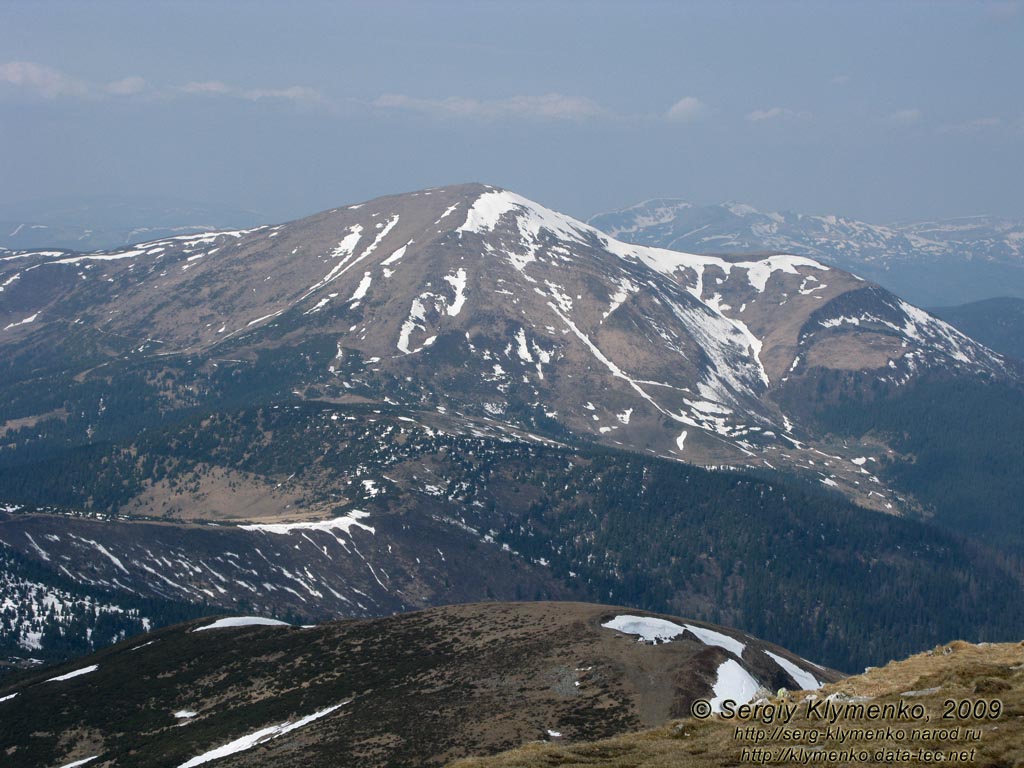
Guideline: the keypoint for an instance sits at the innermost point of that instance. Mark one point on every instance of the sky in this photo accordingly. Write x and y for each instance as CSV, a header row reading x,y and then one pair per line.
x,y
877,110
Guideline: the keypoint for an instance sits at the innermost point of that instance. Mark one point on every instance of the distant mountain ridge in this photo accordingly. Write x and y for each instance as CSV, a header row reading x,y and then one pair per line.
x,y
110,222
929,263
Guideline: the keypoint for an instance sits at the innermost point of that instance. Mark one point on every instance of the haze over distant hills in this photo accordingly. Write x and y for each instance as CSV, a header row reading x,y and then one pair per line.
x,y
930,263
998,323
86,224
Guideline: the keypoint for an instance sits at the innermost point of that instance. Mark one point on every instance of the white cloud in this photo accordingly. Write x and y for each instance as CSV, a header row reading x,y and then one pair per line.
x,y
776,113
687,110
129,86
904,117
550,106
299,94
207,87
296,93
41,80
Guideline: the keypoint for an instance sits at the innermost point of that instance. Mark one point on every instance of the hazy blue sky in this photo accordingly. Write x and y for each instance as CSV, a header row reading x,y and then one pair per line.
x,y
876,110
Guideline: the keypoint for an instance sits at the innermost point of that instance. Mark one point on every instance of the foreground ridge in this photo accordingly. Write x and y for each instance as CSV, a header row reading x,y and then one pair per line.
x,y
971,697
408,690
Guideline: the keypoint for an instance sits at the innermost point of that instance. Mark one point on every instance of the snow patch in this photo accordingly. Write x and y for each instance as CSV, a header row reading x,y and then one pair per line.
x,y
99,257
669,262
9,280
626,287
647,628
711,637
395,256
522,347
83,761
803,678
339,523
240,621
417,319
458,282
26,321
259,737
319,305
105,552
733,682
343,251
265,317
488,209
362,288
76,673
753,343
651,629
447,210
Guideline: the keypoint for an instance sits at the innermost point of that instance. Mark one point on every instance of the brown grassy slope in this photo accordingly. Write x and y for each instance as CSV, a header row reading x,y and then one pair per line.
x,y
956,672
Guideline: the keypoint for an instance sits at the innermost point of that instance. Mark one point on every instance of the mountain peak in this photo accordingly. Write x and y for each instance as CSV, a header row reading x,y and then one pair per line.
x,y
501,308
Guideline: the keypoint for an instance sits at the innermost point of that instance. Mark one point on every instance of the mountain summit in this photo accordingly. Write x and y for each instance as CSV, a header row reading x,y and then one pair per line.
x,y
476,300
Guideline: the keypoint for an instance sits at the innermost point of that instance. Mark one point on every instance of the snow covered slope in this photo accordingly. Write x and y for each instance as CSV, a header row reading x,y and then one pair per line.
x,y
930,263
48,615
